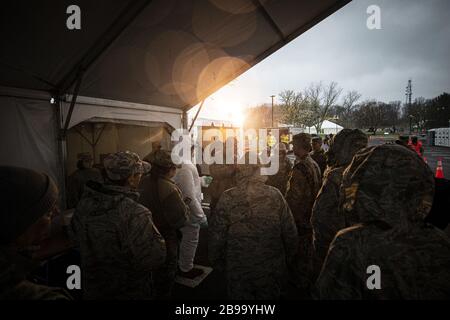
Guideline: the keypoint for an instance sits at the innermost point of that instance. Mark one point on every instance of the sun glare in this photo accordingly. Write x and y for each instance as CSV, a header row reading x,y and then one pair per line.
x,y
227,105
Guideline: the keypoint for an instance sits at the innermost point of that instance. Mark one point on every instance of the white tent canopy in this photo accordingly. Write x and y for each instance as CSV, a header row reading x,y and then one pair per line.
x,y
327,128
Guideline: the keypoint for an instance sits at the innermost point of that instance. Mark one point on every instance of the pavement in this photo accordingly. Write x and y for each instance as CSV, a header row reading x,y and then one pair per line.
x,y
431,153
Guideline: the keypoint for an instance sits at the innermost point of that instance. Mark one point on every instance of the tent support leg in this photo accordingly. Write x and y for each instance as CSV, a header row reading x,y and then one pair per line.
x,y
62,153
97,140
196,114
184,120
72,105
94,141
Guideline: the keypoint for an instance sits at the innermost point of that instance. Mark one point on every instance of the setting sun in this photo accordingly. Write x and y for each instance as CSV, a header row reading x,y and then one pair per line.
x,y
225,104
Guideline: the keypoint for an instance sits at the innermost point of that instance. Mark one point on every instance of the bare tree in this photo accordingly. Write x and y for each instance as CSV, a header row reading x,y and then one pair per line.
x,y
374,114
321,100
348,107
295,109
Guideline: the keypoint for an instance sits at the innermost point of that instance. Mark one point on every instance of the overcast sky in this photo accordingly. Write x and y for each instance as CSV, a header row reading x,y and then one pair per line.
x,y
414,42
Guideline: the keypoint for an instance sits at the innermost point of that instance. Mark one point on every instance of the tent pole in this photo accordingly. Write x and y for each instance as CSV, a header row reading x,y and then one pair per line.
x,y
196,114
62,152
93,140
72,104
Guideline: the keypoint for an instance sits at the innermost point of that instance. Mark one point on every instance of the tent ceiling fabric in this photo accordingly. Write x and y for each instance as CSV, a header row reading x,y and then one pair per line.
x,y
173,53
37,48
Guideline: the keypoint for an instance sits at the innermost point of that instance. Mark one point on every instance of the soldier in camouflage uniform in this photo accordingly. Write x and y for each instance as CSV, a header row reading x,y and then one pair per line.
x,y
325,220
304,183
386,193
77,180
170,212
119,244
318,154
253,236
28,199
280,179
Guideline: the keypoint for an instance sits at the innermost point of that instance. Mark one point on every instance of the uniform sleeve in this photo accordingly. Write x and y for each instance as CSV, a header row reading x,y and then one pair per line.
x,y
175,210
146,244
218,229
339,278
297,190
288,231
325,219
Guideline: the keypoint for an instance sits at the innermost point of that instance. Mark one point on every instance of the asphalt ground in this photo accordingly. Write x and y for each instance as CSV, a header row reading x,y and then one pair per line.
x,y
431,153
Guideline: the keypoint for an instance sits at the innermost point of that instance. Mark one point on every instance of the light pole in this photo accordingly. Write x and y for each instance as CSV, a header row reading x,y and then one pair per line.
x,y
272,96
410,124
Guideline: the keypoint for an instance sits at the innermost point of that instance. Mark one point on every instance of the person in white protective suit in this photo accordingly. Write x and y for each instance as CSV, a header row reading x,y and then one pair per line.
x,y
188,180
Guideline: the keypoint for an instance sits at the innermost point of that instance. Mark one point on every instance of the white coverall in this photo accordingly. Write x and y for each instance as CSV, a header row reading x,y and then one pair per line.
x,y
188,180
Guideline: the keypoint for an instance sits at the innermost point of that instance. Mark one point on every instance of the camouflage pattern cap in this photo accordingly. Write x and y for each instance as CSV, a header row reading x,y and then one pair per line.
x,y
122,165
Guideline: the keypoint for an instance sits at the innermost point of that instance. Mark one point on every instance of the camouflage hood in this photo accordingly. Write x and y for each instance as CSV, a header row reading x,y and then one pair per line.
x,y
344,146
388,184
99,198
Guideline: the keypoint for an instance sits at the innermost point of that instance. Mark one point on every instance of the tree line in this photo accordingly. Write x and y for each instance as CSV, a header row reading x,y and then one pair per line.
x,y
319,102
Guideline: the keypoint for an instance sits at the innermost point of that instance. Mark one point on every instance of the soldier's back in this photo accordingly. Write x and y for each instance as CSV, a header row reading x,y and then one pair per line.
x,y
413,265
303,186
254,225
255,252
107,225
325,218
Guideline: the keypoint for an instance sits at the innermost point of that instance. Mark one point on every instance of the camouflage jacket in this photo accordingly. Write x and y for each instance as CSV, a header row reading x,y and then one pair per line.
x,y
165,200
386,193
76,183
325,219
118,241
280,179
412,266
303,185
223,179
14,269
253,236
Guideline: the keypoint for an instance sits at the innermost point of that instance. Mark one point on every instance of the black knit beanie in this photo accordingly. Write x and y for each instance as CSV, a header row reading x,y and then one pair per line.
x,y
25,196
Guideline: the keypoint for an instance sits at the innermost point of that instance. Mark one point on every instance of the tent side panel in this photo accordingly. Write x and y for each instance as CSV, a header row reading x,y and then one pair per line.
x,y
28,135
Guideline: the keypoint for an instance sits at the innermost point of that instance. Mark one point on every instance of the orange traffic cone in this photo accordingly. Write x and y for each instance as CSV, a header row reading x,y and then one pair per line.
x,y
439,171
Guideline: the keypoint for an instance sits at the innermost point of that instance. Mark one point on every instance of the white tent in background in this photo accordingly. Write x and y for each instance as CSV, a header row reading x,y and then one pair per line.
x,y
327,128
